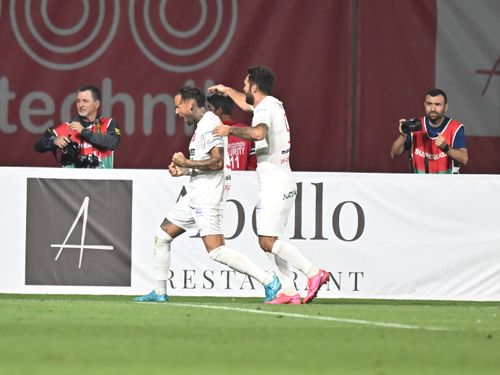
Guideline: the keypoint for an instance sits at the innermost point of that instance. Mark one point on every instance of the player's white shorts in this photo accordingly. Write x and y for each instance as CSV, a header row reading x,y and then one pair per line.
x,y
194,220
277,192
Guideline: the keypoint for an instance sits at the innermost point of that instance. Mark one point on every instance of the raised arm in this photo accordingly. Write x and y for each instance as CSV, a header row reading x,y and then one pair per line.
x,y
397,147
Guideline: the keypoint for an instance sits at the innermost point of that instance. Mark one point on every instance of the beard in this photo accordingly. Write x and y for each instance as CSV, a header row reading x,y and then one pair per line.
x,y
435,117
84,114
249,99
190,121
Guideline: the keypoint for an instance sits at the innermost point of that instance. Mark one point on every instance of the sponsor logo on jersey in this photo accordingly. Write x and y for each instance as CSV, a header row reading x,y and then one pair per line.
x,y
290,195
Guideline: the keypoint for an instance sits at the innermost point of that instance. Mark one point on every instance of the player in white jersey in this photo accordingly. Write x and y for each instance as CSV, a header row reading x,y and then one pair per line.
x,y
277,188
202,208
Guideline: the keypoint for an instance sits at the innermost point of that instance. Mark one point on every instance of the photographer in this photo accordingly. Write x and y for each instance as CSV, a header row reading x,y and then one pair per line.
x,y
435,143
89,140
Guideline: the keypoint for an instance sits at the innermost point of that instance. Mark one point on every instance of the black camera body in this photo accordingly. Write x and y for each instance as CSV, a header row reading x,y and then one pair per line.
x,y
88,161
70,154
411,125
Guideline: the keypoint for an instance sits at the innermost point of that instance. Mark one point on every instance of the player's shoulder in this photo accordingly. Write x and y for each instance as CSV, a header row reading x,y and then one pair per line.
x,y
269,103
209,116
209,119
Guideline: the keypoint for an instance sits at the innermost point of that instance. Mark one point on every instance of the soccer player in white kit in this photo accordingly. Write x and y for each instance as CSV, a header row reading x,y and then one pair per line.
x,y
277,188
202,208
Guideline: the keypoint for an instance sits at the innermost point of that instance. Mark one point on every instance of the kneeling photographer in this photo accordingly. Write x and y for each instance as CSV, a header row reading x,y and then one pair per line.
x,y
89,140
435,143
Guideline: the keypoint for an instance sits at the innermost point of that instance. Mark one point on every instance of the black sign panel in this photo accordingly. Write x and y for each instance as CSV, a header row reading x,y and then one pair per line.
x,y
78,232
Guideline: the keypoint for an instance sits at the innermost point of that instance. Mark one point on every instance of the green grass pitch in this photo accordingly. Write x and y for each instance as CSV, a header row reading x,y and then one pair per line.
x,y
47,334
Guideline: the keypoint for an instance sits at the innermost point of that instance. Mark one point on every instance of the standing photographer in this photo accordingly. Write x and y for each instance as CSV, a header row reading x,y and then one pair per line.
x,y
89,140
436,143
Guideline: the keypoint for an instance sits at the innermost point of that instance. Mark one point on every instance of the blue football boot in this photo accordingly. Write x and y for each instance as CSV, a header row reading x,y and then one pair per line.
x,y
272,289
152,297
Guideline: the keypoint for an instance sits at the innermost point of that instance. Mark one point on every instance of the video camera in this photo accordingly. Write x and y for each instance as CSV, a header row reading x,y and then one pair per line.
x,y
411,125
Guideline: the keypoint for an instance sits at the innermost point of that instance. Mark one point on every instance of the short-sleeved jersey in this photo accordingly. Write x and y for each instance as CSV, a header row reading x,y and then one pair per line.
x,y
207,188
241,151
275,148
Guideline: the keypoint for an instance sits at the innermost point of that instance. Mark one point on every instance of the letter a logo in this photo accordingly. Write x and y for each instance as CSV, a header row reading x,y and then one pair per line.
x,y
83,212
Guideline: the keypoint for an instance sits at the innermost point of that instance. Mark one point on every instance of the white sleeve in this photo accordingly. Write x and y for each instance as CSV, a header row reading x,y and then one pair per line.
x,y
261,116
209,140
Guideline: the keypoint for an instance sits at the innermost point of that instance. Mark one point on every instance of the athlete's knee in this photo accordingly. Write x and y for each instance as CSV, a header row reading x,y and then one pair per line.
x,y
169,229
266,243
162,236
213,241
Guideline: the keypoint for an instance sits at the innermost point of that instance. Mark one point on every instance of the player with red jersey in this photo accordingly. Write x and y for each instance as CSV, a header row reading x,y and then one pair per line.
x,y
241,151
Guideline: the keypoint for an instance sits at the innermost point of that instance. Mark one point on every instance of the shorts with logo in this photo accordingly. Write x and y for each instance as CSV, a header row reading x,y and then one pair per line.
x,y
277,192
203,220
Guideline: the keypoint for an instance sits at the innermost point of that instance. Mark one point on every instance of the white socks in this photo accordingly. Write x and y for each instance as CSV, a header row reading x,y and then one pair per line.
x,y
240,263
284,273
162,260
294,258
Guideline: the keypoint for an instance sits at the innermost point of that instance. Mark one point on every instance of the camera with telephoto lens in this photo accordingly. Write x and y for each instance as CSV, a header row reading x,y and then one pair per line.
x,y
411,125
71,155
88,161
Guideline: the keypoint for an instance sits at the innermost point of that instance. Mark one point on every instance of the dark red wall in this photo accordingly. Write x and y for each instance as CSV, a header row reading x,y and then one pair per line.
x,y
347,70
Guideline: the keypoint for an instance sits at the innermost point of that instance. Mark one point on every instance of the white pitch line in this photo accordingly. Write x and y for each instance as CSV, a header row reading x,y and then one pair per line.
x,y
313,317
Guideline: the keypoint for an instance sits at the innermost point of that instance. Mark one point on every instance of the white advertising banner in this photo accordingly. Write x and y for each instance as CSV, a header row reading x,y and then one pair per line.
x,y
398,236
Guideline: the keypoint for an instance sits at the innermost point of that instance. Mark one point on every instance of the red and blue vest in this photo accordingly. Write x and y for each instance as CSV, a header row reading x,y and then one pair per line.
x,y
423,147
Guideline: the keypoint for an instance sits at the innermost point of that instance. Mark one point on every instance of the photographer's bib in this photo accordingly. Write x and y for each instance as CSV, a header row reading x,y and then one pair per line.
x,y
86,149
423,148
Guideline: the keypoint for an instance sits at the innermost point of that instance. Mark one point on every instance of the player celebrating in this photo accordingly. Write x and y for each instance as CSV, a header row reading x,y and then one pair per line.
x,y
201,209
277,188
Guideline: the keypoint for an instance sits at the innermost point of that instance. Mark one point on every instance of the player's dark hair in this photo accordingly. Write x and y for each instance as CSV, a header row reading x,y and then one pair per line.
x,y
221,101
263,77
191,92
436,92
96,94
